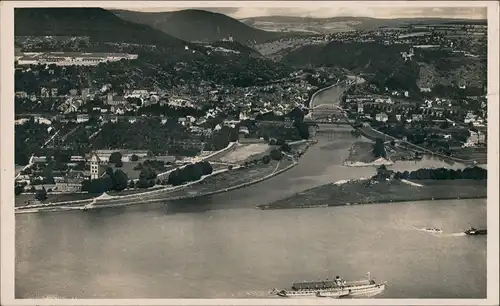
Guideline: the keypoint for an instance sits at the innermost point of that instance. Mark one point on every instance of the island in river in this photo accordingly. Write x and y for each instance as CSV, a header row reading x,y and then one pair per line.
x,y
387,187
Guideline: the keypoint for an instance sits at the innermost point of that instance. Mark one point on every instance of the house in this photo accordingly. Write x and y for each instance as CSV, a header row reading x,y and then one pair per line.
x,y
417,117
38,160
53,92
244,130
85,92
103,155
119,110
381,117
21,94
154,99
115,100
76,158
44,93
182,120
80,118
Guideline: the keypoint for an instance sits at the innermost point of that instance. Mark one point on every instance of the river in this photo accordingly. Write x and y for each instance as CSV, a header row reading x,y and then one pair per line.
x,y
220,246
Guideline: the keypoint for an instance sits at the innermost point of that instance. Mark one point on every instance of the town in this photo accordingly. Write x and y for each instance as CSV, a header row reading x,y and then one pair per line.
x,y
76,109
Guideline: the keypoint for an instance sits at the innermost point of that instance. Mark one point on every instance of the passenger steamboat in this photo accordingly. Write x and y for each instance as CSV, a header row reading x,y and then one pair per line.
x,y
337,288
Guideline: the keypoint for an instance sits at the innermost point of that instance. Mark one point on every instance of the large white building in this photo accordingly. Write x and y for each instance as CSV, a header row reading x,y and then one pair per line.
x,y
71,58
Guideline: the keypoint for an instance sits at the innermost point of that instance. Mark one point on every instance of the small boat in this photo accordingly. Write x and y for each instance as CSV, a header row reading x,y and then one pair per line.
x,y
337,288
474,232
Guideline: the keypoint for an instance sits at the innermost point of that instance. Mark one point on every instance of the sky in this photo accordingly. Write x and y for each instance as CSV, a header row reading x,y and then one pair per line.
x,y
333,11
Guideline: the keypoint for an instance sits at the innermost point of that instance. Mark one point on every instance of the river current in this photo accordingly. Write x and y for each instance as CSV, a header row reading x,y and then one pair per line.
x,y
221,246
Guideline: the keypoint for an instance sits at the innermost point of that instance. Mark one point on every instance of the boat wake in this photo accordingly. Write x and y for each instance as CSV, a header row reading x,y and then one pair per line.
x,y
429,230
458,234
253,294
439,233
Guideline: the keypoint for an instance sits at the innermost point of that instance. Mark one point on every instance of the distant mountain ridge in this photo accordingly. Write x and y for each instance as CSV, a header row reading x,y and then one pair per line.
x,y
199,26
324,25
97,23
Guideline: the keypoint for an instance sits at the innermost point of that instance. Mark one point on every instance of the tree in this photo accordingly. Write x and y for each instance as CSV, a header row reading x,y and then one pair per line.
x,y
379,148
131,184
86,185
107,182
174,178
266,159
302,129
206,167
142,183
48,177
286,147
134,157
18,189
115,157
41,195
276,154
120,180
148,173
109,171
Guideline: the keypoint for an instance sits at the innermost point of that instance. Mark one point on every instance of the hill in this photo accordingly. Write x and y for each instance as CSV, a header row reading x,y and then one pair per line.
x,y
96,23
199,26
345,55
383,63
236,46
338,24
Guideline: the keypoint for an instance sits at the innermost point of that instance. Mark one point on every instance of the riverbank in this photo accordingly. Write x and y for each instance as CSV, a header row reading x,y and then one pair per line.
x,y
205,188
218,182
371,133
366,191
224,180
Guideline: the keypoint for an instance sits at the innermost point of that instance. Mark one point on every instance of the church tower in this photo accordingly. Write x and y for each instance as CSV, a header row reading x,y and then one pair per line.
x,y
94,166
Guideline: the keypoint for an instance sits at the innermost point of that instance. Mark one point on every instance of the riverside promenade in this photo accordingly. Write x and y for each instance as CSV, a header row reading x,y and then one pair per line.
x,y
158,195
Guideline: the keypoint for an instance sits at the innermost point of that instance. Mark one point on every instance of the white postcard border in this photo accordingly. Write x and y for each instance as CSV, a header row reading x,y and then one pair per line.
x,y
7,156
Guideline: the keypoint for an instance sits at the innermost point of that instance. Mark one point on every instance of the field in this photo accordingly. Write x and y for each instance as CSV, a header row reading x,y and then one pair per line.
x,y
480,154
128,168
244,152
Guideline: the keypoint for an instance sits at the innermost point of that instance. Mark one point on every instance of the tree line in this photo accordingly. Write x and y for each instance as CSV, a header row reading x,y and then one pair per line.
x,y
189,173
111,180
469,173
